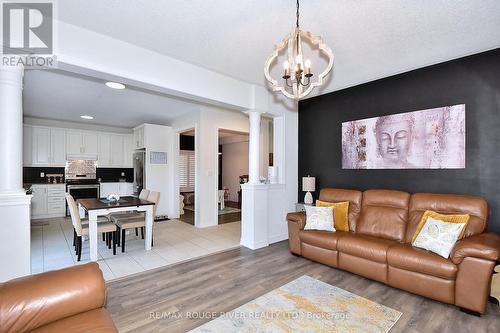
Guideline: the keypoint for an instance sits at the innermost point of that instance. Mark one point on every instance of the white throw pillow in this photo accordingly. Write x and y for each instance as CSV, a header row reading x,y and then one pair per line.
x,y
439,236
319,218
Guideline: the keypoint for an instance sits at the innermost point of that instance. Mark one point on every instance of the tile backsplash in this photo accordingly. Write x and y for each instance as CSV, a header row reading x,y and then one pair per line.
x,y
81,167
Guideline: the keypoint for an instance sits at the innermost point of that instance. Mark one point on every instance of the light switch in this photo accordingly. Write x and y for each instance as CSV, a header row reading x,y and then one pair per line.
x,y
123,174
42,174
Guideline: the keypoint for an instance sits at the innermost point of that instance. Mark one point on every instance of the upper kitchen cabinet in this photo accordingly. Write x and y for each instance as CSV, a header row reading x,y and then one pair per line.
x,y
139,141
58,147
48,146
128,150
111,151
27,143
81,145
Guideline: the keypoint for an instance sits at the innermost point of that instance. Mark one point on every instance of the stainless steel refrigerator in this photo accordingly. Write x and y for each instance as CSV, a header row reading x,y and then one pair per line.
x,y
139,171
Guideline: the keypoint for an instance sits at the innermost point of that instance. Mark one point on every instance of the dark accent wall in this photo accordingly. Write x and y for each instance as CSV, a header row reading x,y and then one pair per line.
x,y
473,81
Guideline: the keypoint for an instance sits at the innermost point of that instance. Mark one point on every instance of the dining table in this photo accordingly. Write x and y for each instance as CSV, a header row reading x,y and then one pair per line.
x,y
94,207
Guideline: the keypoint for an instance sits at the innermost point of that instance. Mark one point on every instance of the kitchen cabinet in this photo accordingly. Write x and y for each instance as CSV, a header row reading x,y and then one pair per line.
x,y
48,146
128,150
39,200
104,156
58,147
116,150
111,150
120,188
74,142
27,150
139,135
81,144
41,146
49,200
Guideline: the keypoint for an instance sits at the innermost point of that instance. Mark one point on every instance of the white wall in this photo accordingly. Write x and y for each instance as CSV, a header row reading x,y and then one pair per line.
x,y
282,197
234,164
159,176
207,124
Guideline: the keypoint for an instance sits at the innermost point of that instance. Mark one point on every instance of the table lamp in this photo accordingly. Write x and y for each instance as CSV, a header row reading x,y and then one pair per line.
x,y
308,185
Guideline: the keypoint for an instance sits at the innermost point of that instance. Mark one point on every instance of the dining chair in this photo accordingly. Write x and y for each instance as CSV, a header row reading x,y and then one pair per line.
x,y
81,229
138,221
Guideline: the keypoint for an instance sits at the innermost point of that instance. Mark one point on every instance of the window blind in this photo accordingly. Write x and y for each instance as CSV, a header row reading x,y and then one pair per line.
x,y
186,170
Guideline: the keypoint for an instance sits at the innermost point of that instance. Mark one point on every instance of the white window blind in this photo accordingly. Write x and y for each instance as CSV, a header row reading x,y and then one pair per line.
x,y
186,170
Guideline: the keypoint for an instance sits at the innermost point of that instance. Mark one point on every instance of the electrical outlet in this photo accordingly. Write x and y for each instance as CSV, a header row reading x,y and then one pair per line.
x,y
42,174
123,174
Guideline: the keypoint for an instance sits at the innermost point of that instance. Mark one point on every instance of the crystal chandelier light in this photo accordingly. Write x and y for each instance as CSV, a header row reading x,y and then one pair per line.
x,y
297,76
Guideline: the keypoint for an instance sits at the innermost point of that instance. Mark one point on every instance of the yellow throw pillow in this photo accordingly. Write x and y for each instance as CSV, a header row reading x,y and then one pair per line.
x,y
438,233
456,218
340,213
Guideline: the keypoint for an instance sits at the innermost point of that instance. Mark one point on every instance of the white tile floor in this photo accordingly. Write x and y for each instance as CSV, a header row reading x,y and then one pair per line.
x,y
174,241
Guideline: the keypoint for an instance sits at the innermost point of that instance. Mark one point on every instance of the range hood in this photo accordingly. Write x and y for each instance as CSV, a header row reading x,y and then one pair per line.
x,y
81,157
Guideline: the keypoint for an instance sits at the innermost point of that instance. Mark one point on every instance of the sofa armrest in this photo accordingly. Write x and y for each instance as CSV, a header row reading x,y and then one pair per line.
x,y
482,246
33,301
297,217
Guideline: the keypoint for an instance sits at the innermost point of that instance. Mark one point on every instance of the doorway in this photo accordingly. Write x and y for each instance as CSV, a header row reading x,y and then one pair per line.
x,y
187,176
233,171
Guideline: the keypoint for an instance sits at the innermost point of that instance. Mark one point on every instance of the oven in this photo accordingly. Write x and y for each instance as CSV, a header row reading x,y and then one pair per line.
x,y
81,180
82,191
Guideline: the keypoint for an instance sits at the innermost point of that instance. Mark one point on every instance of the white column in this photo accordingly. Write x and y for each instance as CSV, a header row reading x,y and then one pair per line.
x,y
11,129
254,233
254,147
15,238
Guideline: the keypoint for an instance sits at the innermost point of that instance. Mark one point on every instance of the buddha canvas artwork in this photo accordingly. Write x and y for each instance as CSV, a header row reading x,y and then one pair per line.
x,y
426,139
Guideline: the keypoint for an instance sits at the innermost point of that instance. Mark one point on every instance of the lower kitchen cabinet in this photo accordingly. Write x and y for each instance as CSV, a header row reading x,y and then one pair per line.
x,y
49,200
120,188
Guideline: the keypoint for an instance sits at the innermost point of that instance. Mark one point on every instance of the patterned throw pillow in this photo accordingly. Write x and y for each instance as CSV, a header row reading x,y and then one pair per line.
x,y
439,236
319,218
340,213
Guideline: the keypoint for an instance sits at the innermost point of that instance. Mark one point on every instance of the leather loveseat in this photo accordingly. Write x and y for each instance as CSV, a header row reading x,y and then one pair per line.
x,y
67,300
378,245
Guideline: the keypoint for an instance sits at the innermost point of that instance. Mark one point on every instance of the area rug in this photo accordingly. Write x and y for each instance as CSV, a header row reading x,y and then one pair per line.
x,y
228,210
306,305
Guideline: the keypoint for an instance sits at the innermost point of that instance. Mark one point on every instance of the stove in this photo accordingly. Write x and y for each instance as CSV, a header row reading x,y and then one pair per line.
x,y
81,180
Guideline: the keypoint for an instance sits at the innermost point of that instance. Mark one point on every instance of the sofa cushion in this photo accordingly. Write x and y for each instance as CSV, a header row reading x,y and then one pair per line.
x,y
407,257
363,246
98,320
323,239
338,195
384,214
476,207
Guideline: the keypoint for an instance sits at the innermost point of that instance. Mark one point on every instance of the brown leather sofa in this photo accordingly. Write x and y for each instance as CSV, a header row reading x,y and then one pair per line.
x,y
67,300
378,245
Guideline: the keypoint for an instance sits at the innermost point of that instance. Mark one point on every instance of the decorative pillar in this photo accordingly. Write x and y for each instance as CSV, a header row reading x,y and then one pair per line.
x,y
254,213
11,129
254,147
15,240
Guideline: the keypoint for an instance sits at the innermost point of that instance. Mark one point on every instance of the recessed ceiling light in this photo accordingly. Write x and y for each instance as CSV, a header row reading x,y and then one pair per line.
x,y
115,85
87,117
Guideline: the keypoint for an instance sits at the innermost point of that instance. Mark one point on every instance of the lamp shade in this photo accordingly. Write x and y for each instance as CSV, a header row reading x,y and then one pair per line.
x,y
308,184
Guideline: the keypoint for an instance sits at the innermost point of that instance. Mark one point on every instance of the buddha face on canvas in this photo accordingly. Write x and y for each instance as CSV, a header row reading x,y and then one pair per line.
x,y
394,138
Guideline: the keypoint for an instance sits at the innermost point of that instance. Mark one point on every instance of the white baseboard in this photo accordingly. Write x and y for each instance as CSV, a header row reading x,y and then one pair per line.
x,y
278,238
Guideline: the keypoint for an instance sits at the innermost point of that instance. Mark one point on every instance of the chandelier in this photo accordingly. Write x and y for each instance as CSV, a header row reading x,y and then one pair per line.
x,y
297,72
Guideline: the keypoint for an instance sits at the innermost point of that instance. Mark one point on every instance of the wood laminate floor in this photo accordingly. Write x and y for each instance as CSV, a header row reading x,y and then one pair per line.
x,y
162,300
188,215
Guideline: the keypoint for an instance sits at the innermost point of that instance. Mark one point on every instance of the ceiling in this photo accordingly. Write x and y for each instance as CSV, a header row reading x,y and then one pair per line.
x,y
370,39
59,96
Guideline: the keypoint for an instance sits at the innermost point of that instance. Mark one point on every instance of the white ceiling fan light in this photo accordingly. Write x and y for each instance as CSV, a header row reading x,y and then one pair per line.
x,y
115,85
